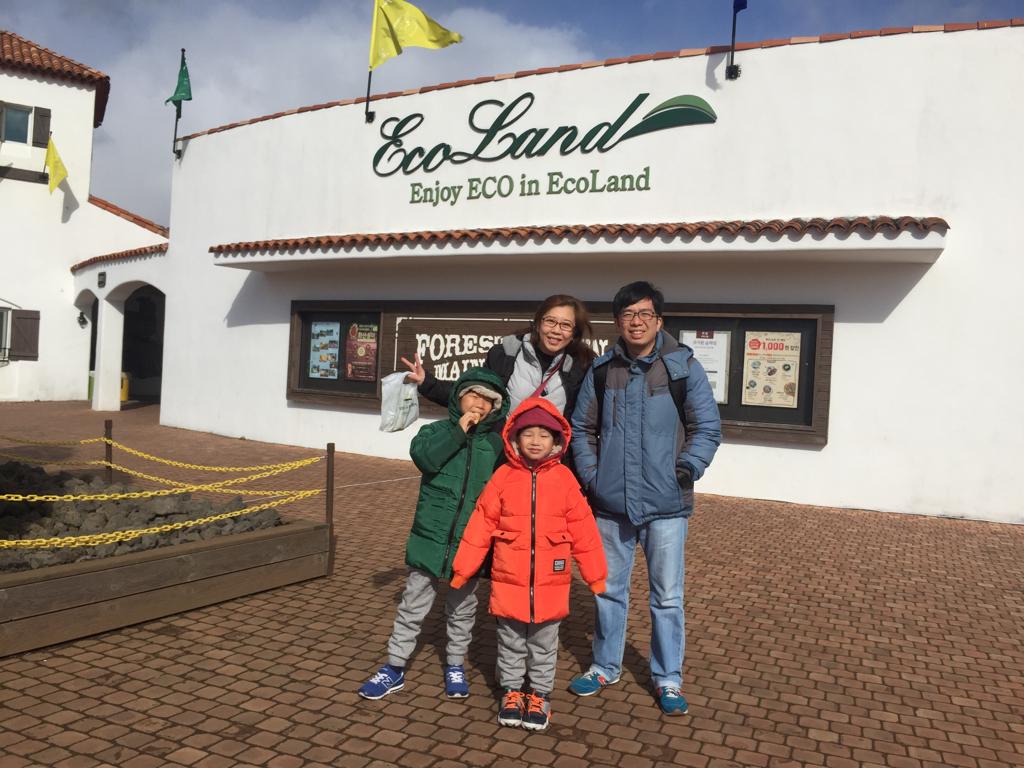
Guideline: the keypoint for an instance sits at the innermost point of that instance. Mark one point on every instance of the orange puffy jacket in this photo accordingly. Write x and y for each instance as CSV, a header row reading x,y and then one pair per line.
x,y
536,518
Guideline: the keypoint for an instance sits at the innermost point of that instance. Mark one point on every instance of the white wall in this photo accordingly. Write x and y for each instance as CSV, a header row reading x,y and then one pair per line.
x,y
44,234
924,413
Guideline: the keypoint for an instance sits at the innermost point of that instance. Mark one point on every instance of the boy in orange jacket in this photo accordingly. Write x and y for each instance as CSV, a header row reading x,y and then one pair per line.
x,y
533,512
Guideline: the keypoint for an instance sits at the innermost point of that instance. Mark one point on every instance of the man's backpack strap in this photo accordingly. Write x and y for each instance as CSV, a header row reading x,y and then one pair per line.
x,y
676,387
600,382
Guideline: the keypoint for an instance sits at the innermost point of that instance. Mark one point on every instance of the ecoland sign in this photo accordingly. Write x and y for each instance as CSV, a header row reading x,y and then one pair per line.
x,y
502,136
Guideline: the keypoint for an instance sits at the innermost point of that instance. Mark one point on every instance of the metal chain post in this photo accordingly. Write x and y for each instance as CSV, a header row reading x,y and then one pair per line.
x,y
108,432
330,509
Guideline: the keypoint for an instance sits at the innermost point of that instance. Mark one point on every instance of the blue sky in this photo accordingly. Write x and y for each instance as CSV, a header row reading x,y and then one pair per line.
x,y
255,57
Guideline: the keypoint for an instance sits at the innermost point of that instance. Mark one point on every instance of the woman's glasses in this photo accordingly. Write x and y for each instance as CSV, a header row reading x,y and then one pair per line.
x,y
551,323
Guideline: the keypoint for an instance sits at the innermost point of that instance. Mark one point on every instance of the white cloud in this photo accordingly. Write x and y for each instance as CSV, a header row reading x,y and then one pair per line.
x,y
244,63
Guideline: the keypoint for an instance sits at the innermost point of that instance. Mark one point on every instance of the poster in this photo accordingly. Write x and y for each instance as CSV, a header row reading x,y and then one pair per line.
x,y
771,369
361,352
324,339
711,348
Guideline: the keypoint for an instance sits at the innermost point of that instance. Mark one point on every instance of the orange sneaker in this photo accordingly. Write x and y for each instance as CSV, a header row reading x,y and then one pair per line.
x,y
538,712
513,706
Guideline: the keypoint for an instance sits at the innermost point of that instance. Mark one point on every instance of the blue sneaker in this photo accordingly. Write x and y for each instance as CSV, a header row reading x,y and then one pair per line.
x,y
590,683
672,701
387,680
455,685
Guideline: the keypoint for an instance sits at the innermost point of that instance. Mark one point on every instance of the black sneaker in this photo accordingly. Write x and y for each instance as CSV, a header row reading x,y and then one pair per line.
x,y
513,705
538,712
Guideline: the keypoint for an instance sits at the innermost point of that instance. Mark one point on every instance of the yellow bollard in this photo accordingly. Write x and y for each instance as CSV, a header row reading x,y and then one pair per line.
x,y
124,387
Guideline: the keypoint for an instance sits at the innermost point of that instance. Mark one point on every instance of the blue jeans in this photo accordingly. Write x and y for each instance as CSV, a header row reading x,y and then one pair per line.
x,y
663,542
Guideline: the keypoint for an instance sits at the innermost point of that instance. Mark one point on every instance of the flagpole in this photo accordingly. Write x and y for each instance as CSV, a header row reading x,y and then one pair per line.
x,y
369,115
174,143
177,117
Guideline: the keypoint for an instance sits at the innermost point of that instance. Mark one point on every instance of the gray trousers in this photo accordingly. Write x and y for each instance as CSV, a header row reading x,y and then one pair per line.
x,y
417,600
527,648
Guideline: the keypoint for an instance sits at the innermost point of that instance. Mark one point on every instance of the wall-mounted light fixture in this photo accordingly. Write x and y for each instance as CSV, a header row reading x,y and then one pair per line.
x,y
82,320
101,279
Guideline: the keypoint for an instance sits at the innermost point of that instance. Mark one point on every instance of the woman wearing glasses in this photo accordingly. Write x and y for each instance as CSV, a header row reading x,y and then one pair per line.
x,y
547,360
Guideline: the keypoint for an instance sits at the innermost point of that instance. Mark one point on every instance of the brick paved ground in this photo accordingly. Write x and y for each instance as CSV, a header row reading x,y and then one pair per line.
x,y
815,637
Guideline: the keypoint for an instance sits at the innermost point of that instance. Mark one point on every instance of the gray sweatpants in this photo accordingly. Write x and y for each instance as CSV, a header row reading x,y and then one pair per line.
x,y
420,591
527,648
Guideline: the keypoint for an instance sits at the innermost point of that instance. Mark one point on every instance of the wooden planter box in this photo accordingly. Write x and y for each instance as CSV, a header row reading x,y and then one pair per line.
x,y
52,605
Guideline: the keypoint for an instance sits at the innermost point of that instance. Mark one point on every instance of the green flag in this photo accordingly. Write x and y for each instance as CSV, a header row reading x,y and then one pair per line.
x,y
183,91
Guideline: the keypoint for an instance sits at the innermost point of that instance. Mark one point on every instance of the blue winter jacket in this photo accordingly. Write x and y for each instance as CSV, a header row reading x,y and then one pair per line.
x,y
632,469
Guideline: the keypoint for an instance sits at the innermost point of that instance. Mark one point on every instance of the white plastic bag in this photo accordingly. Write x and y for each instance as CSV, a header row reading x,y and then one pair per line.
x,y
399,403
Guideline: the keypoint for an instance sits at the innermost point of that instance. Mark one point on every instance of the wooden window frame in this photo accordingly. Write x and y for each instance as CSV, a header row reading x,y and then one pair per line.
x,y
823,317
4,106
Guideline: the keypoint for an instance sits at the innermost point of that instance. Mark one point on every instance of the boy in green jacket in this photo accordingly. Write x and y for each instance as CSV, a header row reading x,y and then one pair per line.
x,y
457,457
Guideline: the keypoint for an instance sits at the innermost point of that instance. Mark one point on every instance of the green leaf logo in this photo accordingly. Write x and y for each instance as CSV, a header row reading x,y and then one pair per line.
x,y
682,110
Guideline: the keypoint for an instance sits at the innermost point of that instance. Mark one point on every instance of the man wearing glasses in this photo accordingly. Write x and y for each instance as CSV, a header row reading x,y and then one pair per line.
x,y
645,427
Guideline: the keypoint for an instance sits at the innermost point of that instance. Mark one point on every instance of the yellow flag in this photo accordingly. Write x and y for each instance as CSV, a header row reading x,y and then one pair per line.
x,y
54,165
398,24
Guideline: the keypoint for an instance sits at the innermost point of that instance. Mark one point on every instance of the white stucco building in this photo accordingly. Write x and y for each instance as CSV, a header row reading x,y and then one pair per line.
x,y
844,212
45,326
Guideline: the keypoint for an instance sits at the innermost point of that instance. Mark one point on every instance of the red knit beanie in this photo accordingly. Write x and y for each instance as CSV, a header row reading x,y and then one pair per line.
x,y
537,417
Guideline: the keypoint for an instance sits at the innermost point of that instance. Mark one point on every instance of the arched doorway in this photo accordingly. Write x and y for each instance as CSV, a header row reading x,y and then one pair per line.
x,y
142,350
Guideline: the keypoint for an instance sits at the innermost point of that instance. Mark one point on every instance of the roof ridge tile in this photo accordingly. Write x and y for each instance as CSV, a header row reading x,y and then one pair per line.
x,y
683,53
134,218
755,228
119,255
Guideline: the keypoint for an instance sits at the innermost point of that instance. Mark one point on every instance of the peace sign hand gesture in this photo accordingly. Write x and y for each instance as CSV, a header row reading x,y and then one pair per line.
x,y
416,373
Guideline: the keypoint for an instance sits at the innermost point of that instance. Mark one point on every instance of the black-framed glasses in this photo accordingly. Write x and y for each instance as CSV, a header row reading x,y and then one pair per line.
x,y
647,315
554,322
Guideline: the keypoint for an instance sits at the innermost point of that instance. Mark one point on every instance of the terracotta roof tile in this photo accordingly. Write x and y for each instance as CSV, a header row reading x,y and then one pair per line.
x,y
117,210
548,233
17,53
684,53
149,250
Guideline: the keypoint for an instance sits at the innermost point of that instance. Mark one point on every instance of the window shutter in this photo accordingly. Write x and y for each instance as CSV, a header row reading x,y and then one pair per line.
x,y
24,334
41,127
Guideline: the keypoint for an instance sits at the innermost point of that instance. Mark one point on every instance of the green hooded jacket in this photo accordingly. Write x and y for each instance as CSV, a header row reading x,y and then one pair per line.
x,y
456,466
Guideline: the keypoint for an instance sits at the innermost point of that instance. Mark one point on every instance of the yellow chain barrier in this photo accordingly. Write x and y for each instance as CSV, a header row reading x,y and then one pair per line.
x,y
179,487
48,462
183,488
211,489
150,457
170,462
128,470
113,537
45,442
